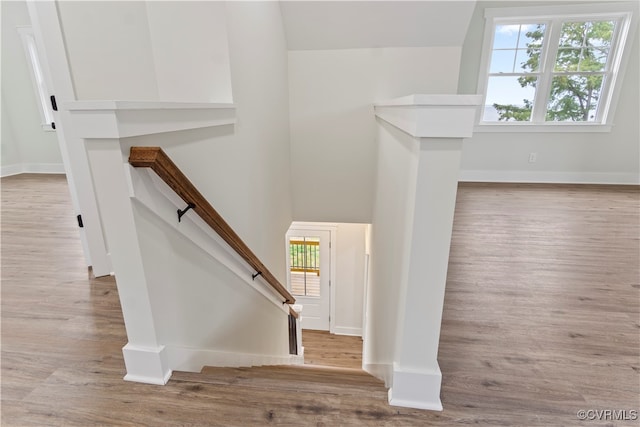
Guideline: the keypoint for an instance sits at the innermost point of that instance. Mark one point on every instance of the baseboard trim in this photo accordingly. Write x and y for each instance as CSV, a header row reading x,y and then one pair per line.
x,y
344,330
193,360
146,364
416,389
8,170
382,371
148,380
540,177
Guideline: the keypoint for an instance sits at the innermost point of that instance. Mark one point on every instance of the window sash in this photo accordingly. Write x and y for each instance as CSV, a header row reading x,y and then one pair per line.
x,y
546,72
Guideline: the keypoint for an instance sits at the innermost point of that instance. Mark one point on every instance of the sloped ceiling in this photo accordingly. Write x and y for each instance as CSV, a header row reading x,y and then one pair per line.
x,y
313,25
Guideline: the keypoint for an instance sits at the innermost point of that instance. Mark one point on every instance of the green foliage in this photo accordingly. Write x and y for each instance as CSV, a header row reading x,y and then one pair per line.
x,y
582,53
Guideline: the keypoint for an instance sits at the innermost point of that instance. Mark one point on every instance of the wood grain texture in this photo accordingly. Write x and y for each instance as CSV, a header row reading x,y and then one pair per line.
x,y
541,319
156,159
320,349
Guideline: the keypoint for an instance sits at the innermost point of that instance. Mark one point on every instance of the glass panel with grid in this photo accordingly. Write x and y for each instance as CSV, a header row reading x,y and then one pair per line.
x,y
579,71
304,258
513,71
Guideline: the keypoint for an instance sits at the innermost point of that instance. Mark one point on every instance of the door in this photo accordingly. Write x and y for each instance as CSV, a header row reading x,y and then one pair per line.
x,y
309,274
57,74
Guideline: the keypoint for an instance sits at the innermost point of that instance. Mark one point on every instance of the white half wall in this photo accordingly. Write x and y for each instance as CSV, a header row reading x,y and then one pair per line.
x,y
398,155
333,148
585,157
198,303
26,147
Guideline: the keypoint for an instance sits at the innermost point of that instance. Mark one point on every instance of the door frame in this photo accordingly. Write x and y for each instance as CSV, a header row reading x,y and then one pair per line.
x,y
332,228
47,32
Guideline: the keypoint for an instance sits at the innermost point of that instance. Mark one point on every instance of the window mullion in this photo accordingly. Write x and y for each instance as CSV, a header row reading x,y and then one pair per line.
x,y
550,51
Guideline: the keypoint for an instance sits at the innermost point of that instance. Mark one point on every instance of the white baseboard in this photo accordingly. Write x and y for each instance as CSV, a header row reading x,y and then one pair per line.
x,y
549,177
19,168
193,360
413,389
344,330
9,170
382,371
147,365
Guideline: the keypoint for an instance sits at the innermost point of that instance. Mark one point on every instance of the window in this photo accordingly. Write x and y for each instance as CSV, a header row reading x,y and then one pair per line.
x,y
549,67
37,76
304,256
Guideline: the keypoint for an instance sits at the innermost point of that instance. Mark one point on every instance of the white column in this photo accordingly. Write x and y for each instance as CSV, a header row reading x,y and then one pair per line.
x,y
417,378
438,123
144,358
104,127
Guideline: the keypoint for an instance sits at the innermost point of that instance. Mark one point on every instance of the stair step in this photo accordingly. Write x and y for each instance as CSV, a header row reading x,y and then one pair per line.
x,y
294,378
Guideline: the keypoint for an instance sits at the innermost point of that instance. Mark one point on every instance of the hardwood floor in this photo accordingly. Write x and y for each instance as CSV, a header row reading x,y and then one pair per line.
x,y
322,348
541,319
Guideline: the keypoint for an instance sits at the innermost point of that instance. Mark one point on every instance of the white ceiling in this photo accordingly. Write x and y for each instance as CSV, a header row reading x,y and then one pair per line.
x,y
311,25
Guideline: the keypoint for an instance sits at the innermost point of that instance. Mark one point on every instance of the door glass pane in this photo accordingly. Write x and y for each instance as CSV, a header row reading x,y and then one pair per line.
x,y
304,256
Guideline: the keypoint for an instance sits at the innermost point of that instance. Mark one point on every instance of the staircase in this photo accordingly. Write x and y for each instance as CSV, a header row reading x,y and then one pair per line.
x,y
280,391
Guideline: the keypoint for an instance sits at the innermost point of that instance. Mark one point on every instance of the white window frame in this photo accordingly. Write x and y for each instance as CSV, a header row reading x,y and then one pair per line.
x,y
37,77
553,16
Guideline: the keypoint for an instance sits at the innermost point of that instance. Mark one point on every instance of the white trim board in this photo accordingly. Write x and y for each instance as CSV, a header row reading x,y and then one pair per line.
x,y
549,177
194,359
346,330
16,169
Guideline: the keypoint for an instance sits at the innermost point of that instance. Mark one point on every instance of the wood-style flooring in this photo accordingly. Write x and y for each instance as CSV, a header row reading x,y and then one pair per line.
x,y
541,320
322,348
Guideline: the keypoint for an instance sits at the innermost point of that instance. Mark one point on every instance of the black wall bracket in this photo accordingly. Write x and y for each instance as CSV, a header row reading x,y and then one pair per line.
x,y
184,211
253,276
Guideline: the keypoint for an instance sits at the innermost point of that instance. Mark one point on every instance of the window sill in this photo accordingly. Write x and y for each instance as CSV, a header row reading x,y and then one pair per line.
x,y
548,128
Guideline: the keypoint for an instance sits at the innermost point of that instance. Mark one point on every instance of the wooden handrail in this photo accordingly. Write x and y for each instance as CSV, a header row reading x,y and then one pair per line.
x,y
163,166
293,312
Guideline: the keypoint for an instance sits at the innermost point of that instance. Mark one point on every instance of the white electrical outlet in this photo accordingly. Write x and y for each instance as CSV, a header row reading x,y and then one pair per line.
x,y
533,157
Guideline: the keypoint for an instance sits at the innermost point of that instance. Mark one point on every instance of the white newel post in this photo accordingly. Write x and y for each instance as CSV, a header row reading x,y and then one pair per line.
x,y
438,123
105,126
300,348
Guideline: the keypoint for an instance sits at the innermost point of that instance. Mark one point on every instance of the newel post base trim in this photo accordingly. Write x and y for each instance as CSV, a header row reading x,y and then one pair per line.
x,y
413,389
147,365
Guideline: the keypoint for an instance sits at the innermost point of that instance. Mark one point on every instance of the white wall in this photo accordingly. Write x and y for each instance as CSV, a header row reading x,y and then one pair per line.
x,y
169,51
561,157
26,147
117,51
333,148
109,49
243,170
190,50
398,155
10,150
350,252
197,303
